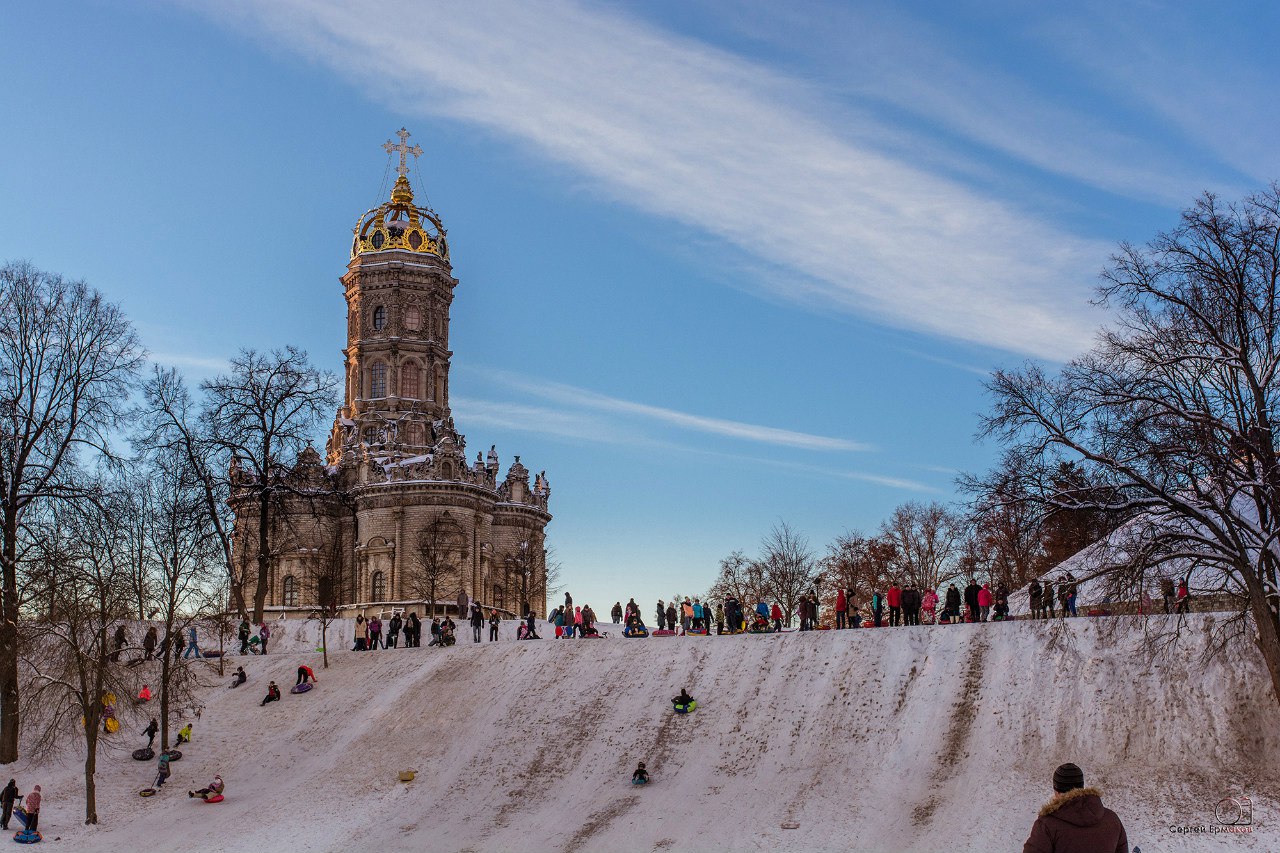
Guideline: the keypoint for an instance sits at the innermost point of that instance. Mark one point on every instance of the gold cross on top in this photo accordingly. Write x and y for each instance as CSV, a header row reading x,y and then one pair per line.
x,y
403,149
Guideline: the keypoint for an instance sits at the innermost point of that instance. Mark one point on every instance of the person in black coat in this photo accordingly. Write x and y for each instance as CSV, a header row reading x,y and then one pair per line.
x,y
971,597
7,798
413,631
953,602
393,631
662,616
477,622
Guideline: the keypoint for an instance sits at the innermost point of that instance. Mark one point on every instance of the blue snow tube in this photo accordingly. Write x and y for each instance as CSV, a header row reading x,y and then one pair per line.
x,y
639,781
301,688
687,709
27,836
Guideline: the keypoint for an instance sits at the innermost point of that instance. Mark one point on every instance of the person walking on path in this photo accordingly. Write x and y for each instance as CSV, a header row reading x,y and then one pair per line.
x,y
192,645
477,622
493,625
149,641
1075,821
120,639
616,613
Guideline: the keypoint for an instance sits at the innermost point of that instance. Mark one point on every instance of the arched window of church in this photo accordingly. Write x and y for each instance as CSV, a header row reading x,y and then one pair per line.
x,y
409,380
371,435
377,381
379,589
414,434
290,591
412,318
379,317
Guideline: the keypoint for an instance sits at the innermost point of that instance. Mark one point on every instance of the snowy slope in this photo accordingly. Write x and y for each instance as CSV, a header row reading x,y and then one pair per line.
x,y
922,738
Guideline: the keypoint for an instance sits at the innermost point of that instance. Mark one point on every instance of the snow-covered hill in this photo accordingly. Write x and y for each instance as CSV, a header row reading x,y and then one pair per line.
x,y
925,738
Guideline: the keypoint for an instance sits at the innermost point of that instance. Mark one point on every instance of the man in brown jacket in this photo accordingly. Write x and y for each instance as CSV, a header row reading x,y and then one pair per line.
x,y
1075,821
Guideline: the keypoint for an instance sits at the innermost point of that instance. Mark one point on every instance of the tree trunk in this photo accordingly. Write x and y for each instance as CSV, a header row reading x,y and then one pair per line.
x,y
166,671
9,642
91,786
1268,627
264,555
324,642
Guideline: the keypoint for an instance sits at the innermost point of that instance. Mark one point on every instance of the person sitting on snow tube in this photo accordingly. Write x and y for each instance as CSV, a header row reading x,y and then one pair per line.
x,y
214,790
144,695
641,776
635,628
684,703
273,694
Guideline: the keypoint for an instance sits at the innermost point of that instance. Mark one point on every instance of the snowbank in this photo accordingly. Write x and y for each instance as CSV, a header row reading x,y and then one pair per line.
x,y
923,738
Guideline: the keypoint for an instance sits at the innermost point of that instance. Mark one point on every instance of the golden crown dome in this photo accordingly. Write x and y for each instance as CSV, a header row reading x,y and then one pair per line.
x,y
398,225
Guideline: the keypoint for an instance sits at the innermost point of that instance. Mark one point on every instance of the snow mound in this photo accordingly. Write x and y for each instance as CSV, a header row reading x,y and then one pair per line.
x,y
921,738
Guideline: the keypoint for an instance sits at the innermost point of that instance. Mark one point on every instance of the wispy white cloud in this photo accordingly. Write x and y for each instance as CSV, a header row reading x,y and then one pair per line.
x,y
583,398
725,146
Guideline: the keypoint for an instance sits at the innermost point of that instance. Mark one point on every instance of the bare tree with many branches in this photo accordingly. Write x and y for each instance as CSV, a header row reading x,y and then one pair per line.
x,y
1173,411
266,410
68,358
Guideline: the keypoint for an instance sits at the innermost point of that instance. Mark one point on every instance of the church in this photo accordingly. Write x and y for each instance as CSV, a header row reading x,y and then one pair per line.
x,y
394,515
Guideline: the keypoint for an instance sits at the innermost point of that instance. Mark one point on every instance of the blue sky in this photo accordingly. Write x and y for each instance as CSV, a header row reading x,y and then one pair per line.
x,y
721,264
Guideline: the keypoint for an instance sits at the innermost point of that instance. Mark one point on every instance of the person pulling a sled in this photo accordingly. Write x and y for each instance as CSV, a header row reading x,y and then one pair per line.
x,y
684,703
8,797
162,771
641,776
304,675
215,789
273,694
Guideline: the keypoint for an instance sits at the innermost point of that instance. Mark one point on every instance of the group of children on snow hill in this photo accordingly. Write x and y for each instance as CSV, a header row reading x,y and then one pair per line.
x,y
251,643
372,634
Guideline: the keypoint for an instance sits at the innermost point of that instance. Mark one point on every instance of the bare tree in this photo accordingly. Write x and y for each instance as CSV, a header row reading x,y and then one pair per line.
x,y
1173,410
173,423
67,360
927,541
327,575
182,553
84,572
740,577
265,411
440,549
789,566
526,568
860,564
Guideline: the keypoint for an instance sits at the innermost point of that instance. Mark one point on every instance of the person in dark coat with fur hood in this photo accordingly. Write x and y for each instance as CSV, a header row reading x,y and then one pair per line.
x,y
1075,821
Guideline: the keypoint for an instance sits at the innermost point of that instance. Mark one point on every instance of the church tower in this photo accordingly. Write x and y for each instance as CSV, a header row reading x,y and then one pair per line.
x,y
395,516
398,287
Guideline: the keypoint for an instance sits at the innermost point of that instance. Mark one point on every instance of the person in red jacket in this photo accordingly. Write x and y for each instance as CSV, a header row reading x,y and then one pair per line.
x,y
775,613
984,601
304,675
895,604
842,609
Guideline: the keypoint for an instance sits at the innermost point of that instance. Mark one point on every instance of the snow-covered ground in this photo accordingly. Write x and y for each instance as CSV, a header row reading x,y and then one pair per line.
x,y
924,738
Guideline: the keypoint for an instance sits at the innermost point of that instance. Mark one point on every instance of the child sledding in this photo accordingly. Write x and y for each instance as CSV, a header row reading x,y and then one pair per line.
x,y
212,793
684,703
634,627
641,776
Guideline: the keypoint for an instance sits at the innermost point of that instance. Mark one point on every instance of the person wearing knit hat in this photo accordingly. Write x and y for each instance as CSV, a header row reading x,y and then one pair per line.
x,y
1075,821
